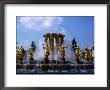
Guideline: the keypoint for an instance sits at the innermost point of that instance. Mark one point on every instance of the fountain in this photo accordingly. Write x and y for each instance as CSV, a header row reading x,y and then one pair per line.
x,y
54,55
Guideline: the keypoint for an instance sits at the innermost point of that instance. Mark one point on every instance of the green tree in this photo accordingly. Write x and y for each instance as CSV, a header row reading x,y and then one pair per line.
x,y
33,45
74,44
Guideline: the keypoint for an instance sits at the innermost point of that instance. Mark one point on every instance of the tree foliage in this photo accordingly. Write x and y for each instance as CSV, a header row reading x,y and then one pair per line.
x,y
33,45
74,44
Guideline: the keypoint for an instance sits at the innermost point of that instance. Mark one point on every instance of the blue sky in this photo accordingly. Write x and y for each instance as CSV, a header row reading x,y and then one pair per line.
x,y
32,29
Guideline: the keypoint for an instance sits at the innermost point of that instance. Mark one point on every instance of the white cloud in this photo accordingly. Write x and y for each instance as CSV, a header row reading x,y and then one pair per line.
x,y
40,23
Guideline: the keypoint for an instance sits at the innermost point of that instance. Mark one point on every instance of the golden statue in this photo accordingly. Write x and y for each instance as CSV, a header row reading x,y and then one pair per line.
x,y
77,54
46,51
51,41
62,51
17,54
21,52
30,52
90,55
86,54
